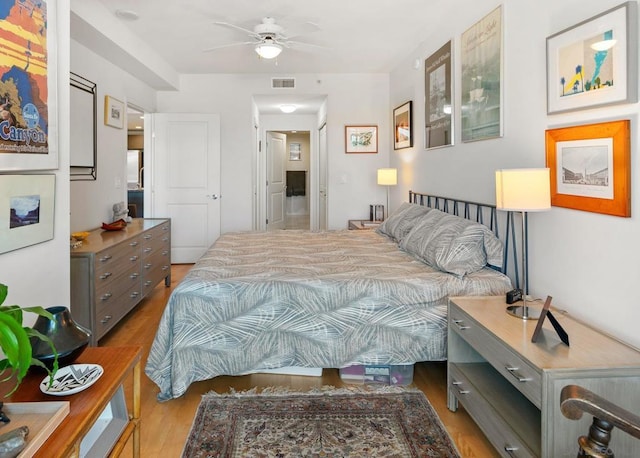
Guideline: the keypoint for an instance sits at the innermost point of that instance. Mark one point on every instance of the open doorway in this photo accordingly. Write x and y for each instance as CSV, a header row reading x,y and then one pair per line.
x,y
135,161
297,167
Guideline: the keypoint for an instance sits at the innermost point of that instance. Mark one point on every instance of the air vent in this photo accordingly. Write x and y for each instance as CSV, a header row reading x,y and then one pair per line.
x,y
278,83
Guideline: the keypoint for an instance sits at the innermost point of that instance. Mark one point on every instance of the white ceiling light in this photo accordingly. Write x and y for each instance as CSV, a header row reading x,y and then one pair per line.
x,y
268,48
288,108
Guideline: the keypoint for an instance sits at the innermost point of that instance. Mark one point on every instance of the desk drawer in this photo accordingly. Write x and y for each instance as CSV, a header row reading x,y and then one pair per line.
x,y
513,368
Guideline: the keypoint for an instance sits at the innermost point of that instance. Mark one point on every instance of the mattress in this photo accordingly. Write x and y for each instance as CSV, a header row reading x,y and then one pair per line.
x,y
264,300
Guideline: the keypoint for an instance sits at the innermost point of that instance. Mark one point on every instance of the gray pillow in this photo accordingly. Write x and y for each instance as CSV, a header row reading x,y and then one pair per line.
x,y
400,222
453,244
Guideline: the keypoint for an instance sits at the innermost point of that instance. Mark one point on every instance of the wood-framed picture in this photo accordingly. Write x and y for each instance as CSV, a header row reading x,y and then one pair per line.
x,y
438,86
590,167
403,126
481,78
26,210
28,88
594,63
113,112
361,139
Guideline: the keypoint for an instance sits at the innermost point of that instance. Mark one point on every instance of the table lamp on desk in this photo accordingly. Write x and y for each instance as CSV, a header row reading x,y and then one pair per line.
x,y
387,177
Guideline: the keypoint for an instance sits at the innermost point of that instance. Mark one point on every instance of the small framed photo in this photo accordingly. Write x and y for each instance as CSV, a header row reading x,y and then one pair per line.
x,y
294,151
361,139
113,112
26,210
402,126
590,167
594,63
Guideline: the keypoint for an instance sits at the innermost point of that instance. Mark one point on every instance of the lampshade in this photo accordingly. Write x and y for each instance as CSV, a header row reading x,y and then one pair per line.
x,y
388,177
268,49
523,189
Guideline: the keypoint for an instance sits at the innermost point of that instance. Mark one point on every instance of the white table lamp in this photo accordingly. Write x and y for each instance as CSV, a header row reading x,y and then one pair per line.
x,y
523,190
387,177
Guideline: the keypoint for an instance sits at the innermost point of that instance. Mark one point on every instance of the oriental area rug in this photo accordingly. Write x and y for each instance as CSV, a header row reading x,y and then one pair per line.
x,y
321,423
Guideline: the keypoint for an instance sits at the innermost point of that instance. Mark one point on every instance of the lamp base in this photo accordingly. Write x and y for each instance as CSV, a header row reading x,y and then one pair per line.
x,y
518,312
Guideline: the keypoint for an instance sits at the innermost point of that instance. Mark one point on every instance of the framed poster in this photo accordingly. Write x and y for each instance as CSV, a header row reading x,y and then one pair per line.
x,y
361,139
482,78
28,112
402,126
438,86
26,210
113,112
590,167
594,63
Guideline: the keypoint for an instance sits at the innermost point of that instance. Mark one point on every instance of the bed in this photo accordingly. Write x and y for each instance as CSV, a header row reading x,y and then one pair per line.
x,y
264,300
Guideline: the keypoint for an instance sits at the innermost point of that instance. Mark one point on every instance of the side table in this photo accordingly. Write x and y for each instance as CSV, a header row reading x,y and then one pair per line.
x,y
87,406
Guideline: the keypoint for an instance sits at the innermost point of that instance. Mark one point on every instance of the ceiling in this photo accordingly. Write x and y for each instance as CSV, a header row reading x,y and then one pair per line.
x,y
351,36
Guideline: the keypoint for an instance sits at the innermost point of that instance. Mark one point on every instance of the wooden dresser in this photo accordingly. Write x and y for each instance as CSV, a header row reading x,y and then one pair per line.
x,y
114,270
511,386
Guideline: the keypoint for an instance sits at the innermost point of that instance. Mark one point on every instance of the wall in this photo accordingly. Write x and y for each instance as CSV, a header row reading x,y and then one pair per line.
x,y
92,201
39,274
586,261
352,99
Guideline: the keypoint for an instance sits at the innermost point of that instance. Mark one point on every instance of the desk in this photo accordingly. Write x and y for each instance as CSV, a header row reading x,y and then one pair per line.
x,y
86,406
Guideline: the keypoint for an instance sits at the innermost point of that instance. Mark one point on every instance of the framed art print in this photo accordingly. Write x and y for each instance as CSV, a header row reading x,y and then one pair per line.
x,y
481,104
590,167
594,63
26,210
113,112
438,129
402,126
361,139
28,112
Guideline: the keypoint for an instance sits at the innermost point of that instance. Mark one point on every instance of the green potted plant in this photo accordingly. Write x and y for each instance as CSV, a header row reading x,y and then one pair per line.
x,y
15,344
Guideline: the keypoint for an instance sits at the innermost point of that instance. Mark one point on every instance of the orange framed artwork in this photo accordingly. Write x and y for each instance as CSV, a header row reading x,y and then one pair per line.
x,y
590,167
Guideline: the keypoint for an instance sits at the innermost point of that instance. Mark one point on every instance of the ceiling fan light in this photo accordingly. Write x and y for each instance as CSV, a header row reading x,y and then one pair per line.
x,y
268,50
286,108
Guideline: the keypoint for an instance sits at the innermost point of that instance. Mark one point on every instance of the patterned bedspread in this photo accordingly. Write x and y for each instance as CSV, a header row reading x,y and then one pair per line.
x,y
264,300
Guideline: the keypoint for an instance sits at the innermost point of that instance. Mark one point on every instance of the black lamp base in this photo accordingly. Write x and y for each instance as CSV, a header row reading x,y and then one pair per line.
x,y
518,312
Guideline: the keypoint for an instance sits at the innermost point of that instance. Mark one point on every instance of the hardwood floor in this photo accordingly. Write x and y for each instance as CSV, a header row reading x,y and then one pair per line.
x,y
165,426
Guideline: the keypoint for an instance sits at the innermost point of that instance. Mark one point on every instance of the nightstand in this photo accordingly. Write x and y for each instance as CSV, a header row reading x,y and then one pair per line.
x,y
511,386
363,224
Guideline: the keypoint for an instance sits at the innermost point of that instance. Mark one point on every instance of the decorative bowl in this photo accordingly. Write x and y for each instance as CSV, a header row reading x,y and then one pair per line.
x,y
80,235
115,226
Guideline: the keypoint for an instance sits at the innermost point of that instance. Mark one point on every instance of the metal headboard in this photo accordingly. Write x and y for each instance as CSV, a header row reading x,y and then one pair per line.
x,y
479,213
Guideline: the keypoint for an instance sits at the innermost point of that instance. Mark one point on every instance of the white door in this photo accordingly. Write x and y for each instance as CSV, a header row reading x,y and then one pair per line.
x,y
322,178
186,180
276,182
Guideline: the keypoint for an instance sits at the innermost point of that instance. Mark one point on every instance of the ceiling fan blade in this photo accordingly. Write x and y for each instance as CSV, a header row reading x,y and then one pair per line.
x,y
237,27
229,45
301,29
300,44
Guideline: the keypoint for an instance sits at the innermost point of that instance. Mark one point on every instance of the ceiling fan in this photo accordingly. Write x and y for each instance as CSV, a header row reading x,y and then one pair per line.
x,y
268,38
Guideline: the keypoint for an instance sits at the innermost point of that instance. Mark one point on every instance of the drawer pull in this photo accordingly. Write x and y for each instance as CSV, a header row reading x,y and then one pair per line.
x,y
133,244
148,266
165,239
134,294
510,449
134,275
105,319
133,258
148,283
106,296
105,275
165,252
514,371
105,258
165,228
148,250
165,268
147,236
460,325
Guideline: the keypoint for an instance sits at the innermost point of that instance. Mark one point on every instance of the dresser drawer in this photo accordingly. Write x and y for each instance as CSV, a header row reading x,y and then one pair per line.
x,y
498,430
110,259
512,367
109,313
127,280
153,276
